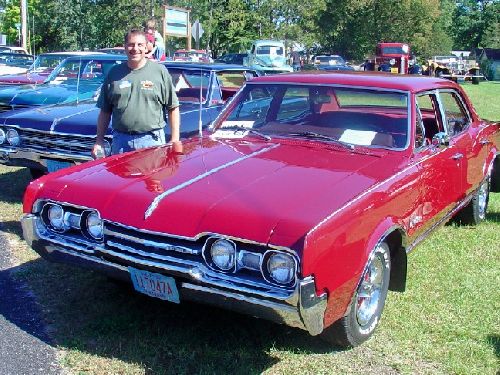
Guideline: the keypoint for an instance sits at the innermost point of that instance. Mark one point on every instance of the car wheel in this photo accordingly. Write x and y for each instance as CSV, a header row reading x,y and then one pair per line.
x,y
36,173
475,211
365,309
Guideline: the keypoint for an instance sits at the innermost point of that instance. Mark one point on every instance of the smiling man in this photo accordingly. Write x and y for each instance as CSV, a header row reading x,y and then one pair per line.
x,y
136,96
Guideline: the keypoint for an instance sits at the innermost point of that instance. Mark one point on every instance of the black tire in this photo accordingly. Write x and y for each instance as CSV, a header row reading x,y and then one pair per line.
x,y
475,211
36,173
495,176
365,309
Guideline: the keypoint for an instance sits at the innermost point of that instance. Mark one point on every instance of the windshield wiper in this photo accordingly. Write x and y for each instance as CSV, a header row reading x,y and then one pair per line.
x,y
241,128
322,136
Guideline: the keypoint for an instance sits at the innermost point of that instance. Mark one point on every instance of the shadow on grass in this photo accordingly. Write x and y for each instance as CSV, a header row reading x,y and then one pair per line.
x,y
13,227
494,341
88,313
13,184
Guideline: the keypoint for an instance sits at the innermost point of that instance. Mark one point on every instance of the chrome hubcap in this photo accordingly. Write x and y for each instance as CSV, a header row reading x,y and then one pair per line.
x,y
482,198
368,294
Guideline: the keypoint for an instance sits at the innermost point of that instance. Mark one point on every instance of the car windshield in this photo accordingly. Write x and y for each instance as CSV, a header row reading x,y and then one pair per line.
x,y
93,70
356,116
46,63
190,84
16,59
330,60
393,51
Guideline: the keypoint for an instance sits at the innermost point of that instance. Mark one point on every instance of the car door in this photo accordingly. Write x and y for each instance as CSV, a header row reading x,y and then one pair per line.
x,y
440,164
466,138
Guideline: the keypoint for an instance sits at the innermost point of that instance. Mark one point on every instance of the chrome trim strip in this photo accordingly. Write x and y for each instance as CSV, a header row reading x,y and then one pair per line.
x,y
148,243
160,197
57,120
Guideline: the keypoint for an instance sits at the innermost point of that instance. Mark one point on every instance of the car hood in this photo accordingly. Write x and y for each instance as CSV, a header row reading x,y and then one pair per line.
x,y
80,118
32,95
243,188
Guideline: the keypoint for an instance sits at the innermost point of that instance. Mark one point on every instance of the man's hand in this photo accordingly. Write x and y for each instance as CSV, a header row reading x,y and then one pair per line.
x,y
98,151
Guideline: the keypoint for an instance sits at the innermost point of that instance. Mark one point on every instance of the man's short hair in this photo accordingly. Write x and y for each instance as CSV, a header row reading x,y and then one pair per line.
x,y
134,32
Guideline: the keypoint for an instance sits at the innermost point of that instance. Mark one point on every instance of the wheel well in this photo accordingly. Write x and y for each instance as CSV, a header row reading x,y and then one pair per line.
x,y
397,281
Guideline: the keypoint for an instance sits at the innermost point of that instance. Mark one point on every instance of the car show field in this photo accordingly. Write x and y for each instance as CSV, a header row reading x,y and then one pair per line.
x,y
445,322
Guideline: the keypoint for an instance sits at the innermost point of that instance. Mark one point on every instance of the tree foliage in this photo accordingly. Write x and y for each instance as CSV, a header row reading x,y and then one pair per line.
x,y
348,27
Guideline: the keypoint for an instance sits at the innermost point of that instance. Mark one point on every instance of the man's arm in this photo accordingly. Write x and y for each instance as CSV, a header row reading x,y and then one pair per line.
x,y
102,126
174,119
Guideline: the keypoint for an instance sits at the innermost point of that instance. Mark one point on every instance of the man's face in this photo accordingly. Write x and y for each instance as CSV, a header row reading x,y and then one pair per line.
x,y
136,47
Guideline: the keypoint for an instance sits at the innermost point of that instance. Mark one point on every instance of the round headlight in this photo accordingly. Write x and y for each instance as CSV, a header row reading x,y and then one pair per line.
x,y
56,217
223,254
13,137
2,136
95,226
281,268
392,61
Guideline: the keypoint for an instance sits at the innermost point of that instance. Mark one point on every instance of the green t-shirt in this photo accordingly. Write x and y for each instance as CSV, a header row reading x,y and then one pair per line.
x,y
138,99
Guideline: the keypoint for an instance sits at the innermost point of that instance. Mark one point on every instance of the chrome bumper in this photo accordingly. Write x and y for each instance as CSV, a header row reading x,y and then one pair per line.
x,y
29,158
300,308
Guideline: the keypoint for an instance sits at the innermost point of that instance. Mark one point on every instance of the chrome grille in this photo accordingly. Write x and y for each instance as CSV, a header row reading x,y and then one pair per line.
x,y
78,147
8,107
161,249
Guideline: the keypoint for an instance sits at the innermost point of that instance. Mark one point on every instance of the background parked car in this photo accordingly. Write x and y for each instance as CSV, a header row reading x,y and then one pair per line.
x,y
57,136
14,63
40,70
77,78
233,58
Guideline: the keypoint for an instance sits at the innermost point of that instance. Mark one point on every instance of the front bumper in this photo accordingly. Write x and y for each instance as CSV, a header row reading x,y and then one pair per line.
x,y
300,307
17,157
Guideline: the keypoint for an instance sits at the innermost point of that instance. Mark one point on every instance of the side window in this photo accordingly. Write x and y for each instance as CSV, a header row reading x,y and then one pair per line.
x,y
457,119
254,107
295,104
428,117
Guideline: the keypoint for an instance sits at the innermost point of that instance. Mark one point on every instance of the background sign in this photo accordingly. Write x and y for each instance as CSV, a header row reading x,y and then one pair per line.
x,y
177,21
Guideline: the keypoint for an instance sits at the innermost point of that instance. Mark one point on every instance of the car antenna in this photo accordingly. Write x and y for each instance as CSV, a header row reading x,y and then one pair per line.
x,y
78,81
200,106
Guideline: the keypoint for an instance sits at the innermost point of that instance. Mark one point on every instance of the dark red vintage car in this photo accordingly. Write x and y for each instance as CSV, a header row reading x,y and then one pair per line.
x,y
300,205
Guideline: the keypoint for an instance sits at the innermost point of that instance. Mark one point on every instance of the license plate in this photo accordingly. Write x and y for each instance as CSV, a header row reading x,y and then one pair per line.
x,y
395,70
154,285
55,165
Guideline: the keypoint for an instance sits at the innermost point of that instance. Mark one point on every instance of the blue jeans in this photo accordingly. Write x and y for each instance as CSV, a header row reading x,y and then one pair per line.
x,y
124,142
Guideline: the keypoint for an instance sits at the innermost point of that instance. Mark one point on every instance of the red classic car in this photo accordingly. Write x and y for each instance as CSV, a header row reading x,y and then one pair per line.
x,y
299,205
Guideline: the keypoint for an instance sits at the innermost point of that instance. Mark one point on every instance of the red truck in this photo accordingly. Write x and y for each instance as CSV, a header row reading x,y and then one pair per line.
x,y
392,57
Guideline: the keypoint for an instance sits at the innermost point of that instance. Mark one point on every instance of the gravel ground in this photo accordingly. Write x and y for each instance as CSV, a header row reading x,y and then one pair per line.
x,y
25,347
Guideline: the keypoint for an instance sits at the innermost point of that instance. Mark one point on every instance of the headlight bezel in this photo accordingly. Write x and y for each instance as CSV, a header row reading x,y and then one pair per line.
x,y
86,227
268,274
209,256
13,140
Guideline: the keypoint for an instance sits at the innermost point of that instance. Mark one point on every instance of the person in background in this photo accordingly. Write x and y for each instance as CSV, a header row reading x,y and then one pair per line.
x,y
136,95
295,59
159,43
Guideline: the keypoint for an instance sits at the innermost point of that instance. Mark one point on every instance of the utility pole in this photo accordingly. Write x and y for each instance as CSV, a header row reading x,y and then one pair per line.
x,y
23,23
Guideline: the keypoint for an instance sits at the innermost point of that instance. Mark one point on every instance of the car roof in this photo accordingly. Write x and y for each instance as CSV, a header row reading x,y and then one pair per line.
x,y
72,53
99,56
206,66
360,79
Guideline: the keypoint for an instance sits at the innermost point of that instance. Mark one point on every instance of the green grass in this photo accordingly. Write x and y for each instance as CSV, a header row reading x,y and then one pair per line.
x,y
447,322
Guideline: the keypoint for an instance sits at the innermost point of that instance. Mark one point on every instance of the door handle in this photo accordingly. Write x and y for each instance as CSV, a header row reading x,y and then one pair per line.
x,y
457,156
484,141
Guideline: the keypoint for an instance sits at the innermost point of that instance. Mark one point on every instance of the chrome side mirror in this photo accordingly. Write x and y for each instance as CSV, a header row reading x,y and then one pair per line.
x,y
441,140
